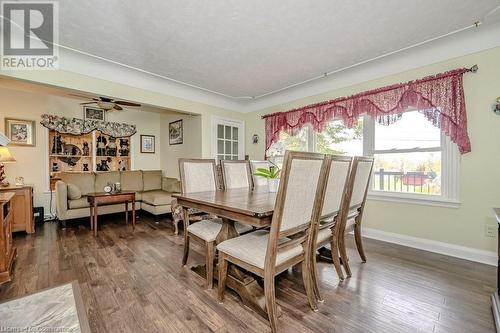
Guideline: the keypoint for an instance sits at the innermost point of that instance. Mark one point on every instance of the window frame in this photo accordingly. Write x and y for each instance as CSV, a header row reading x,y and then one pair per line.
x,y
450,158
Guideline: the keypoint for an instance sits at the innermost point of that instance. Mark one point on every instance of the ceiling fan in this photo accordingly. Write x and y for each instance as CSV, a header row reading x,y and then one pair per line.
x,y
108,104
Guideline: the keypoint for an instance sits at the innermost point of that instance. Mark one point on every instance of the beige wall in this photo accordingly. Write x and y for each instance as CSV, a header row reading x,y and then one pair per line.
x,y
479,181
190,148
32,161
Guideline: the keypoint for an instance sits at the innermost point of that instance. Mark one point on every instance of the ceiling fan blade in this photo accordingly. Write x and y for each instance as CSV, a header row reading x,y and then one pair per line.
x,y
117,107
127,103
80,96
105,99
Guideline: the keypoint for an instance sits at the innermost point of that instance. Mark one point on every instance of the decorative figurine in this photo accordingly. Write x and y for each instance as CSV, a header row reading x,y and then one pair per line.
x,y
124,147
101,145
111,148
85,167
57,144
55,167
85,149
74,150
122,166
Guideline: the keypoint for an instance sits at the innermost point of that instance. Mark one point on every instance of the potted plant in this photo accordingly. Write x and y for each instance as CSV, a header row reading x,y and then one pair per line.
x,y
272,175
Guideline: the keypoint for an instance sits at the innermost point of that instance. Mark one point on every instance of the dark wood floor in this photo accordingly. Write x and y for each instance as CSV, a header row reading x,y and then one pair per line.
x,y
134,282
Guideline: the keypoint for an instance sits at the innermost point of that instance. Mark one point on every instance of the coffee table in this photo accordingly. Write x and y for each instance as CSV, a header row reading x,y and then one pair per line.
x,y
97,199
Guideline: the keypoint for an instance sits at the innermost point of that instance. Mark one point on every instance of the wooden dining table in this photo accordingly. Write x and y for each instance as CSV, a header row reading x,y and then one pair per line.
x,y
252,207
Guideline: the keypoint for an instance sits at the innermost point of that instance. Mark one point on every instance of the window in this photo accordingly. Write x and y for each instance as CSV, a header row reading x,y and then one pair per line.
x,y
413,160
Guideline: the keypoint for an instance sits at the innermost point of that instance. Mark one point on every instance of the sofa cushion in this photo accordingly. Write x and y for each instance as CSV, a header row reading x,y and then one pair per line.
x,y
83,180
171,185
104,178
152,180
157,198
132,181
78,203
74,192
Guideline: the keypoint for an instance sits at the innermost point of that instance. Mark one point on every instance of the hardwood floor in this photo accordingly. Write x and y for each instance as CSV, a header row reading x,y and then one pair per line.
x,y
134,282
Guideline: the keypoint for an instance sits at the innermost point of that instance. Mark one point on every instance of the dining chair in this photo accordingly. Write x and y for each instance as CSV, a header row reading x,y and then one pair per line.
x,y
200,175
236,174
268,253
324,231
254,165
332,226
359,182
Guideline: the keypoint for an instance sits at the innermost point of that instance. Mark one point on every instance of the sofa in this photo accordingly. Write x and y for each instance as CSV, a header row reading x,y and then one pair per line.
x,y
153,192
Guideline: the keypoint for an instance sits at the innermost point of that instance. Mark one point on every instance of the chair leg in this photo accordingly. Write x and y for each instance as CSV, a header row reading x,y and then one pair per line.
x,y
335,257
359,242
210,264
315,281
186,248
271,302
222,276
306,277
343,255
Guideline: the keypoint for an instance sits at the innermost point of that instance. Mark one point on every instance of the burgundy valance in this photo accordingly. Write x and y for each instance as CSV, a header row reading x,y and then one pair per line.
x,y
439,97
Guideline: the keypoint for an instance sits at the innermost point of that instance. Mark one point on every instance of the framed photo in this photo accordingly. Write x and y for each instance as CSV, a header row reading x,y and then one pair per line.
x,y
175,132
148,144
93,113
20,132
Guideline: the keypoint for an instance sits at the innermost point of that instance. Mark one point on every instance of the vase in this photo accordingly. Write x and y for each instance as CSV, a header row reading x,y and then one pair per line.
x,y
273,184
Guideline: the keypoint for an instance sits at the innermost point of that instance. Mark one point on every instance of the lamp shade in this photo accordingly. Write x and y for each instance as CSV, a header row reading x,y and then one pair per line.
x,y
5,156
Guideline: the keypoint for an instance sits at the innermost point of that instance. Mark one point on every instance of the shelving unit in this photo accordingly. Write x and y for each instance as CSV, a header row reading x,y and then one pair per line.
x,y
86,153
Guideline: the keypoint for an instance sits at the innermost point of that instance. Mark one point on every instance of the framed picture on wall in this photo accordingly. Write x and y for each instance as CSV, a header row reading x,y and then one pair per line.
x,y
148,144
175,132
20,132
93,113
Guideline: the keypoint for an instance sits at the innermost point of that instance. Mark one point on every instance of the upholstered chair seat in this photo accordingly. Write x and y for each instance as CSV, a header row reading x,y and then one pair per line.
x,y
252,248
209,229
325,234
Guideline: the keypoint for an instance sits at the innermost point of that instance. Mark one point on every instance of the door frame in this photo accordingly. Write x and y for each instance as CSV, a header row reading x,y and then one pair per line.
x,y
216,120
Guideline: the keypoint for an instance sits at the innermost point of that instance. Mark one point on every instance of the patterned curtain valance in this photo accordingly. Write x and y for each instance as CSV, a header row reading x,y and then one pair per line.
x,y
77,126
439,97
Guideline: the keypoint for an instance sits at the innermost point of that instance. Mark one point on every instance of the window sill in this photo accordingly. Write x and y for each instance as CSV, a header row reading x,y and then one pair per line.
x,y
414,199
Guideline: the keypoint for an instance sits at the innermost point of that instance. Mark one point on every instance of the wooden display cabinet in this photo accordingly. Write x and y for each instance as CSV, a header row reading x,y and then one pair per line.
x,y
7,251
113,153
86,153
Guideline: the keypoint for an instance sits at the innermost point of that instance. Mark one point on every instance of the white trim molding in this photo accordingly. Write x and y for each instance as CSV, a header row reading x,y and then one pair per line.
x,y
452,250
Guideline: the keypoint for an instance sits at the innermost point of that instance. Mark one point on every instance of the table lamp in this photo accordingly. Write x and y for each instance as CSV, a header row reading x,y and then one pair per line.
x,y
5,157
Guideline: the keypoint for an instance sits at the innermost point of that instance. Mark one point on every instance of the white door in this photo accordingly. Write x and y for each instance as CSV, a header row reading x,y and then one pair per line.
x,y
228,139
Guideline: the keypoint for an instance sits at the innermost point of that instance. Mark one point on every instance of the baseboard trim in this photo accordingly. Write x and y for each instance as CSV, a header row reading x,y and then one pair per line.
x,y
452,250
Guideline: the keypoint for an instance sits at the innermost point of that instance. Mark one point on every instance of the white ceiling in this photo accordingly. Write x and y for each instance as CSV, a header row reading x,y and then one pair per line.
x,y
250,48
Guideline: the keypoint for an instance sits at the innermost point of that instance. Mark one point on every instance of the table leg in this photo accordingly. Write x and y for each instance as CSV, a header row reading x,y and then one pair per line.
x,y
244,284
91,217
126,212
95,219
133,214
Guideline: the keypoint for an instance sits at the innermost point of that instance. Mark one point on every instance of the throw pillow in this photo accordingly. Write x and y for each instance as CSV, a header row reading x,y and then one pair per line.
x,y
74,192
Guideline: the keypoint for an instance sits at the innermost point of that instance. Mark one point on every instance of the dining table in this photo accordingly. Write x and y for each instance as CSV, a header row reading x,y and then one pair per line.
x,y
254,207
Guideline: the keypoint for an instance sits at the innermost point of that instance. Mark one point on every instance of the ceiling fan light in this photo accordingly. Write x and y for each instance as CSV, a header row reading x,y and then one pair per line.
x,y
106,105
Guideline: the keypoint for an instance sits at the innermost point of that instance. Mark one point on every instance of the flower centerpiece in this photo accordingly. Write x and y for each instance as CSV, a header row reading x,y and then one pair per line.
x,y
272,175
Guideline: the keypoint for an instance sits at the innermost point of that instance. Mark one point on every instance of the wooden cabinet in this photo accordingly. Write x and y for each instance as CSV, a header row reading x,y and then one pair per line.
x,y
7,251
22,208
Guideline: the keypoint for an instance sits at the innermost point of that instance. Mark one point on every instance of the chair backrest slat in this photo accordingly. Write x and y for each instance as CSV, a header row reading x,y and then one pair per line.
x,y
198,175
254,165
361,174
338,176
236,174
